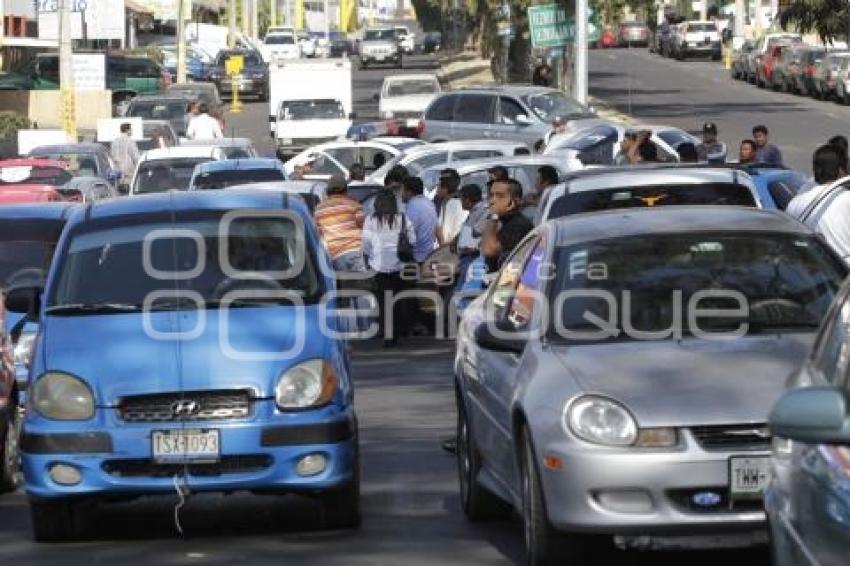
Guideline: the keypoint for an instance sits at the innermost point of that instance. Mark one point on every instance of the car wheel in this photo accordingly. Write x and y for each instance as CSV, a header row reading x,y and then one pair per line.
x,y
341,506
10,456
54,521
477,502
543,544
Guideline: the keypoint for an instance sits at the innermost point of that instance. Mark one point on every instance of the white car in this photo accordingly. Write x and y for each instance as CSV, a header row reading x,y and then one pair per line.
x,y
280,29
280,46
336,158
168,169
308,44
407,96
406,39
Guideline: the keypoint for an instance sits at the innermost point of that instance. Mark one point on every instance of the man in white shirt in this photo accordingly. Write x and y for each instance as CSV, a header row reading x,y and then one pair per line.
x,y
204,126
451,214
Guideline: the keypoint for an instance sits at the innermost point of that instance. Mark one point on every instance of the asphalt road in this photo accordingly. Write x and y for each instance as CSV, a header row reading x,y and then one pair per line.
x,y
411,512
655,90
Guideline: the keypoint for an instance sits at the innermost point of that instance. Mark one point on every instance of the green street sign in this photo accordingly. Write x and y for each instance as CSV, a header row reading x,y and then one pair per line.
x,y
550,26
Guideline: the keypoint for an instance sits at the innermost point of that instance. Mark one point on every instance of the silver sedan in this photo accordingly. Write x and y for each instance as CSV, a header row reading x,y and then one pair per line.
x,y
616,377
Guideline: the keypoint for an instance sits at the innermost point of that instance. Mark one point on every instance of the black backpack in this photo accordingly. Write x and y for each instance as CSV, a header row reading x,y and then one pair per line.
x,y
405,248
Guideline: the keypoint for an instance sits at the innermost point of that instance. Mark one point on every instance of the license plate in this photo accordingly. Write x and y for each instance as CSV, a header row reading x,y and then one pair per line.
x,y
748,476
186,445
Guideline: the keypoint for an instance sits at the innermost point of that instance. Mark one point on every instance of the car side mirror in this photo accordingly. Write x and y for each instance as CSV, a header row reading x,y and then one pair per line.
x,y
24,300
500,337
523,120
812,414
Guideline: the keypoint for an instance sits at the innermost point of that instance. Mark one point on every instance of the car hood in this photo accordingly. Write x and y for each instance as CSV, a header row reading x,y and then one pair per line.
x,y
137,363
312,129
413,102
690,382
370,45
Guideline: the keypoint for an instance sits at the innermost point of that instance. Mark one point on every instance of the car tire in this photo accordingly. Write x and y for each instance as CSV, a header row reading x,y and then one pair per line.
x,y
543,544
477,502
54,521
341,506
10,456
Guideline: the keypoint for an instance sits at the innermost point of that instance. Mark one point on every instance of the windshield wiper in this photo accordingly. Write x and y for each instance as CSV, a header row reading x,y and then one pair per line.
x,y
93,308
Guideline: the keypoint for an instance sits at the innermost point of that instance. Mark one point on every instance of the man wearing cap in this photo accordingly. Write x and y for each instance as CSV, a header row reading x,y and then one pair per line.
x,y
339,219
710,149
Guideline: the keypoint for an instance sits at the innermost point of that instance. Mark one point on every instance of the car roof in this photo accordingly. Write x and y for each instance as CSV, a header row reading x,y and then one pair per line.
x,y
461,145
186,201
239,164
37,211
69,148
468,166
614,177
415,76
514,89
179,151
580,228
220,142
165,96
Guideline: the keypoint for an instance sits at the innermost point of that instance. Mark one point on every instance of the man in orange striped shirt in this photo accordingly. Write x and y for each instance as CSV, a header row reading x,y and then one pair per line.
x,y
340,221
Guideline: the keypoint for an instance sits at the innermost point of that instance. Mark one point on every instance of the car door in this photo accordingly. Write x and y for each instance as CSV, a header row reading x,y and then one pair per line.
x,y
474,116
439,118
512,121
498,374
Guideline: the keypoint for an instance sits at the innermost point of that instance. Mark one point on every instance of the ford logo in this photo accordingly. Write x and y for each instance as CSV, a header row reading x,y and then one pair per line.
x,y
706,499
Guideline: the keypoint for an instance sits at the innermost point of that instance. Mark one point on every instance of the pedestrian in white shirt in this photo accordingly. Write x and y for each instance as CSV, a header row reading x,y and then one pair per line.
x,y
450,212
203,126
381,234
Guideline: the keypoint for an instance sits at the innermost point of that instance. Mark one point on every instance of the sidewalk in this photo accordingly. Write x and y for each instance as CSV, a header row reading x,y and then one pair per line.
x,y
466,69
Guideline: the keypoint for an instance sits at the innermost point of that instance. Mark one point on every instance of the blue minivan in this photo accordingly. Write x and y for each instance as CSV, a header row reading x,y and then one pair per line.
x,y
188,342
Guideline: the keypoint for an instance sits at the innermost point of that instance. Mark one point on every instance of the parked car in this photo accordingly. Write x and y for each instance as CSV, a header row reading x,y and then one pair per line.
x,y
170,169
627,428
216,175
209,415
809,62
697,39
787,68
198,62
33,180
336,158
82,159
607,39
447,154
633,33
768,63
808,497
842,81
740,64
380,46
432,42
825,79
599,144
159,127
252,81
231,148
280,46
507,113
407,96
172,107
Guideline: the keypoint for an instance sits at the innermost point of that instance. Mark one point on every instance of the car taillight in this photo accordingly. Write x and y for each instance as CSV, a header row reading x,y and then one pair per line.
x,y
420,128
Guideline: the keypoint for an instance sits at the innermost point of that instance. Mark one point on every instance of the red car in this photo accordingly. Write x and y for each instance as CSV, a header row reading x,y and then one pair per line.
x,y
764,73
34,180
607,39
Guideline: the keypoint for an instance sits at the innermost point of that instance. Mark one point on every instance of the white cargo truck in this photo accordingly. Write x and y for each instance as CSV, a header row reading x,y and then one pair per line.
x,y
310,102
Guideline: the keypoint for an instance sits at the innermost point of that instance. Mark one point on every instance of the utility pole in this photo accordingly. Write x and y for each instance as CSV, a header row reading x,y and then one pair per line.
x,y
272,13
181,41
231,23
246,17
255,27
581,52
740,17
327,22
68,106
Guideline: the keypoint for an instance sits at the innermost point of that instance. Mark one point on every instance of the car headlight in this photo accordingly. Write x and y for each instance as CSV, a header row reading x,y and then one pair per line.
x,y
62,397
601,421
23,349
309,384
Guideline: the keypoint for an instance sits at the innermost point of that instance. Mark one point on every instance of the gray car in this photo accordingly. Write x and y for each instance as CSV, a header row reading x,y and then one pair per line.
x,y
593,404
808,498
171,107
513,113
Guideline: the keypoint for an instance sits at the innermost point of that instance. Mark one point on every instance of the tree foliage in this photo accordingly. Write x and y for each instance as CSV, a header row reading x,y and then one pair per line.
x,y
830,19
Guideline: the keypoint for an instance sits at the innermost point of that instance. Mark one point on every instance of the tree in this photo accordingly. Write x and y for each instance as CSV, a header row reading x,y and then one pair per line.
x,y
830,19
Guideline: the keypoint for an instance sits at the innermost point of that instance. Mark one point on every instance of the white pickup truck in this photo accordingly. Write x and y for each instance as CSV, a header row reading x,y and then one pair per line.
x,y
310,102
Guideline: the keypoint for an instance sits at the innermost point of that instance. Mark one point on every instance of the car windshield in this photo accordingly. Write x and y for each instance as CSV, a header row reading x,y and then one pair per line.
x,y
702,27
410,87
24,262
162,175
280,40
726,194
629,286
158,110
312,110
552,104
224,179
33,175
103,264
79,164
250,59
379,35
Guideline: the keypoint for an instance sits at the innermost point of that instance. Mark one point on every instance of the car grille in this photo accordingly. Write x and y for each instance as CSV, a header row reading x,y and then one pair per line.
x,y
209,405
142,467
732,437
683,498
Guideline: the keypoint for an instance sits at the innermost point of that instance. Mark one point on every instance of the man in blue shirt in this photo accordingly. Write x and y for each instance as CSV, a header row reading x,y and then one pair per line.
x,y
766,153
421,213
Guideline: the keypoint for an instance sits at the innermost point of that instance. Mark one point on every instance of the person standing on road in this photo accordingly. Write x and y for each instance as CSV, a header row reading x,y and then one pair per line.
x,y
191,114
381,234
747,153
829,163
203,126
339,219
125,152
710,149
451,214
766,153
505,203
422,215
547,177
469,239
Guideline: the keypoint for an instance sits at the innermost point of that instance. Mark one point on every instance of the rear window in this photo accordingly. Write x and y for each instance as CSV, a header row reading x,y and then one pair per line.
x,y
726,194
702,27
379,35
158,110
225,179
166,175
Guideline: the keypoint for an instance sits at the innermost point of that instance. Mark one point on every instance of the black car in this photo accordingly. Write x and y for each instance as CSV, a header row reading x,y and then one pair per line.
x,y
252,81
431,42
339,46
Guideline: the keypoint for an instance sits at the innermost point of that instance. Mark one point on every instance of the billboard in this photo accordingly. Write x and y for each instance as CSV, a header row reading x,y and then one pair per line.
x,y
90,19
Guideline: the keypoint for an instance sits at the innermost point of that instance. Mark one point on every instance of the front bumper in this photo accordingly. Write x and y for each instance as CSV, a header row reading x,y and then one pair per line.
x,y
257,454
255,87
713,49
643,492
369,59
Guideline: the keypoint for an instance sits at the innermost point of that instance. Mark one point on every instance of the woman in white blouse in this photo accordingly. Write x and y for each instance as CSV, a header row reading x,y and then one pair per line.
x,y
380,247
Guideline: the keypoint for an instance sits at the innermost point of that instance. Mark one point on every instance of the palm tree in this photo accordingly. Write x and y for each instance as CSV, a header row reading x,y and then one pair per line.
x,y
830,19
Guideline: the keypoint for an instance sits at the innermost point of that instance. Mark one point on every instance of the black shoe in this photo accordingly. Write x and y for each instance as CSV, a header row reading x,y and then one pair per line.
x,y
450,445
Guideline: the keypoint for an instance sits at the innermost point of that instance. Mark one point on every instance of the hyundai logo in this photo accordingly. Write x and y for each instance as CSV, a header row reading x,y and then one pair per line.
x,y
185,408
706,499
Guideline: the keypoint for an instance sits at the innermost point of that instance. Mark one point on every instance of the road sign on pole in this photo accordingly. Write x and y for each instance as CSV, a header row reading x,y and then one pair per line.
x,y
550,26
